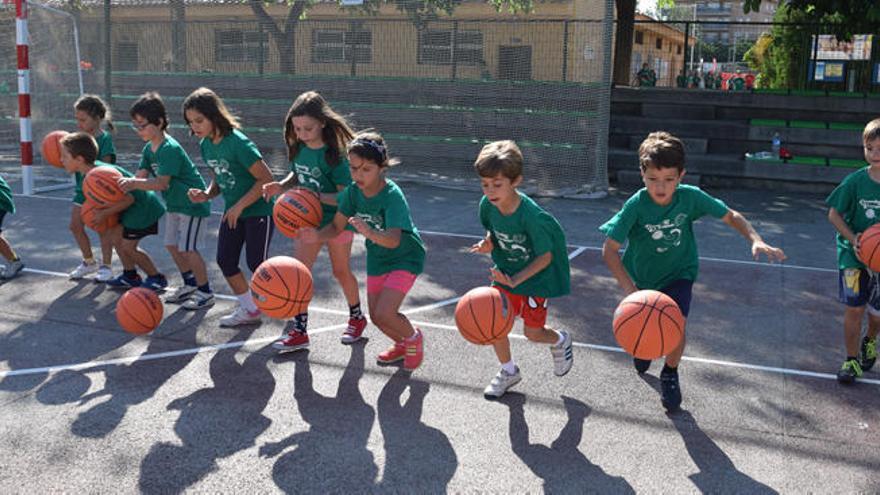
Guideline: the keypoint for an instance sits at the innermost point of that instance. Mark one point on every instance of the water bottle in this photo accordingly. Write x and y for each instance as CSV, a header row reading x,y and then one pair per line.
x,y
776,144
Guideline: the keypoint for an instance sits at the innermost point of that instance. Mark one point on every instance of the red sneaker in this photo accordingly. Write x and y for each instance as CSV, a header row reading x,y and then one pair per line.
x,y
355,328
414,351
295,341
393,354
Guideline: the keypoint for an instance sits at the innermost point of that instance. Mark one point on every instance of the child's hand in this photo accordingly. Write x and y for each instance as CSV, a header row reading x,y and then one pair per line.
x,y
307,235
482,247
231,216
360,225
772,253
272,189
197,195
127,183
501,278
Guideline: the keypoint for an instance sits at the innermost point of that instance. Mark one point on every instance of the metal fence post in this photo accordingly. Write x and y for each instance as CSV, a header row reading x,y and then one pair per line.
x,y
565,50
108,55
454,50
687,37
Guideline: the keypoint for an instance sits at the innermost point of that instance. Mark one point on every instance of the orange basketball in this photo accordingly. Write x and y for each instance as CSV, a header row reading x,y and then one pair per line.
x,y
100,185
282,287
484,315
869,247
139,311
648,324
295,209
51,148
86,212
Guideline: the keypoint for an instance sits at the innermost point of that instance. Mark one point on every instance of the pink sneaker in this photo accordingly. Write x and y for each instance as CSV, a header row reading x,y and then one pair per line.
x,y
355,328
414,351
393,354
295,341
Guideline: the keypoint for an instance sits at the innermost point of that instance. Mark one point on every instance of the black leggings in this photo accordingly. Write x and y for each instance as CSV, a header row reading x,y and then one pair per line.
x,y
255,232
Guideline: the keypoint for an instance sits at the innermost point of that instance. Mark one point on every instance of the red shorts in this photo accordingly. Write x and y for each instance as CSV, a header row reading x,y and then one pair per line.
x,y
533,310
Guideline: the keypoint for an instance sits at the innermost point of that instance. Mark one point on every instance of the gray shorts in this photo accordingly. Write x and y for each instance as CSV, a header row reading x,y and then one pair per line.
x,y
183,231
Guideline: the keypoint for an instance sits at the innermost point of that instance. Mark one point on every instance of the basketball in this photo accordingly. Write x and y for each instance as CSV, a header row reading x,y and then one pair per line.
x,y
86,213
484,315
295,209
51,148
139,311
869,247
648,324
100,185
282,287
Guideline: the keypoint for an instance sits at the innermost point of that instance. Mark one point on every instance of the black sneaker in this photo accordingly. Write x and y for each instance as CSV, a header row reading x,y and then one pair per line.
x,y
849,371
641,365
670,393
868,354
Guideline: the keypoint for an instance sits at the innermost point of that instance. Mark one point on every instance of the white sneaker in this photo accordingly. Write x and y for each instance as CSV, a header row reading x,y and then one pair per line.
x,y
104,274
502,381
240,316
562,355
181,294
200,300
84,269
11,269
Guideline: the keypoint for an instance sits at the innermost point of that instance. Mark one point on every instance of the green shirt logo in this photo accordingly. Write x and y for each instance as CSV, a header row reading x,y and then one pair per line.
x,y
224,177
667,233
514,246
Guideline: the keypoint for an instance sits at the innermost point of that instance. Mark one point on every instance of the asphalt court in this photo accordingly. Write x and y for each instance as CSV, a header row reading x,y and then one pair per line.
x,y
197,407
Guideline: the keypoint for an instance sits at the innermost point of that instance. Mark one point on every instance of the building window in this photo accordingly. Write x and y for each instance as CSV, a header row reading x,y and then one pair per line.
x,y
235,45
340,46
126,55
659,43
435,47
640,38
678,49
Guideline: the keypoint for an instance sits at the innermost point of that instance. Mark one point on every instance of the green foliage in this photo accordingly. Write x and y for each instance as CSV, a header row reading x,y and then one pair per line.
x,y
848,16
778,57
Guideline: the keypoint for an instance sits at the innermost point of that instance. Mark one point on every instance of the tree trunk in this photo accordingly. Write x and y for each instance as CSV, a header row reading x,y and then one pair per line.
x,y
285,38
623,42
178,35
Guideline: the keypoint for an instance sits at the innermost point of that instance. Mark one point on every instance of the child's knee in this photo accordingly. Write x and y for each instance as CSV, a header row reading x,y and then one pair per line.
x,y
382,319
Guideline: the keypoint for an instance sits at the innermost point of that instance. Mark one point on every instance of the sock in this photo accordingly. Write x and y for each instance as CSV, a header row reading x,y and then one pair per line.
x,y
355,311
852,358
301,322
205,288
509,367
130,273
188,278
559,339
247,302
89,261
668,370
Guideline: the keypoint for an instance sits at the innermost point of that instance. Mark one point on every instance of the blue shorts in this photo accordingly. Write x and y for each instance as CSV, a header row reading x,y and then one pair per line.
x,y
858,287
680,292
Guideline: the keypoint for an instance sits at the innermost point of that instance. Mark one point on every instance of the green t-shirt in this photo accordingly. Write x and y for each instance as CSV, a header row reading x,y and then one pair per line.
x,y
170,159
146,210
386,210
521,237
231,160
857,199
105,147
662,246
6,203
313,172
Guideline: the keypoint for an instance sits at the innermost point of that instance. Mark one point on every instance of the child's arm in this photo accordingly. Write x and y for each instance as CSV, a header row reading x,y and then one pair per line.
x,y
159,183
485,245
260,171
275,188
330,198
102,213
611,255
741,225
309,235
530,270
840,224
388,239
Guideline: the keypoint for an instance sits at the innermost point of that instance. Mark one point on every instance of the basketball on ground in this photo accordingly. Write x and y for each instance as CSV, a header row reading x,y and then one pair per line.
x,y
282,287
648,324
139,311
484,315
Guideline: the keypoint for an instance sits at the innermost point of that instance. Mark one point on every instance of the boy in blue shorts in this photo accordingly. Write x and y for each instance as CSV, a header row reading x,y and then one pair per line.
x,y
13,262
854,206
531,259
662,253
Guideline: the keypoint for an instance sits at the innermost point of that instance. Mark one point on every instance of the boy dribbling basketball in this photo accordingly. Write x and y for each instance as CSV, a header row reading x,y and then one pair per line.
x,y
662,253
531,259
854,206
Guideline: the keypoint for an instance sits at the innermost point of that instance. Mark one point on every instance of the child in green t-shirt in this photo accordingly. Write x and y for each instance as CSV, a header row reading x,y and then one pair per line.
x,y
166,167
91,112
139,213
376,208
316,138
854,206
13,262
662,251
531,259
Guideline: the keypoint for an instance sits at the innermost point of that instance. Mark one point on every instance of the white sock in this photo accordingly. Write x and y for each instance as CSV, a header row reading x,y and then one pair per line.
x,y
509,367
560,339
247,302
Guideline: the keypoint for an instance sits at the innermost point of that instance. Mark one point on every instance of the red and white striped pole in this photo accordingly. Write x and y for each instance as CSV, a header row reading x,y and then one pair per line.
x,y
24,96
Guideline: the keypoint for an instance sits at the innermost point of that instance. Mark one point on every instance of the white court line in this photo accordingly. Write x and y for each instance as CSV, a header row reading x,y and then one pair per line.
x,y
717,362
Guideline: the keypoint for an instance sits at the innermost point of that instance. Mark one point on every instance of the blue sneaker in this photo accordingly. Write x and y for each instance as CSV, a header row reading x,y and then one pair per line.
x,y
155,282
123,282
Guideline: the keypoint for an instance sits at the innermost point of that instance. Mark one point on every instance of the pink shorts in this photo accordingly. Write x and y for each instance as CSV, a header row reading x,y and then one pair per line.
x,y
399,280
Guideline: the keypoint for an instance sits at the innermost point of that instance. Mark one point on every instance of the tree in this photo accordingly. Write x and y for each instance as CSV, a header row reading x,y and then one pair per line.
x,y
848,17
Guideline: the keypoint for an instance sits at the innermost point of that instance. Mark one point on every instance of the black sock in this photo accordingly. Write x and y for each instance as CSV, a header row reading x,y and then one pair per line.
x,y
205,288
188,278
130,273
301,322
355,311
852,358
668,370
